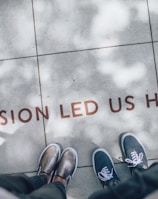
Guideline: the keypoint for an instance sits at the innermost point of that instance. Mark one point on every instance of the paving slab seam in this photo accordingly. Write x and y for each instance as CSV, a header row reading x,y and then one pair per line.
x,y
79,50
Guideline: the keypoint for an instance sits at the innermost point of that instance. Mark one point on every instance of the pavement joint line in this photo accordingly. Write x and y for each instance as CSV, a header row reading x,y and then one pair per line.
x,y
79,50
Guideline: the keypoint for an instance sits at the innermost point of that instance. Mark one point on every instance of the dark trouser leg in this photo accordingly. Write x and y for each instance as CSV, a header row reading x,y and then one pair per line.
x,y
21,183
137,187
32,187
50,191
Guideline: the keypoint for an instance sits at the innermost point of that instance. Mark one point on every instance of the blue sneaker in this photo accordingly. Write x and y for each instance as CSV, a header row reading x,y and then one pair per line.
x,y
104,168
133,152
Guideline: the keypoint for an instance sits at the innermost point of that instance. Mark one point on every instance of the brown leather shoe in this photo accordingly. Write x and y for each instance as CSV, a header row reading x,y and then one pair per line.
x,y
48,160
67,165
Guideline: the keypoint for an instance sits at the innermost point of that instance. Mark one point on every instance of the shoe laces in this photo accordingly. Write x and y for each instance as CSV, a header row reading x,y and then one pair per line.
x,y
105,174
135,159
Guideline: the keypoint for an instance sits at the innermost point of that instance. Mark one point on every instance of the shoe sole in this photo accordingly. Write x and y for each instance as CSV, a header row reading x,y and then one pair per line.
x,y
121,141
59,149
93,162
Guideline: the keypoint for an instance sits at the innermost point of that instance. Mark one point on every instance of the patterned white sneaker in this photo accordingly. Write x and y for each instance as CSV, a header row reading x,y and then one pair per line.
x,y
133,152
104,168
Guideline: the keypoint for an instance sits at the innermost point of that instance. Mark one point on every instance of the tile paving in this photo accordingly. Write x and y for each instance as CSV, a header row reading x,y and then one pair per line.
x,y
77,73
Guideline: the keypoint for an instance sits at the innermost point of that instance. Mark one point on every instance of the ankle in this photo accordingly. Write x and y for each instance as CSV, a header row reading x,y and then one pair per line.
x,y
60,179
105,187
47,176
111,183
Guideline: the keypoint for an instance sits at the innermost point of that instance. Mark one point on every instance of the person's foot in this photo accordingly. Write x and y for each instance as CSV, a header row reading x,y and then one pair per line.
x,y
48,161
67,166
133,152
104,168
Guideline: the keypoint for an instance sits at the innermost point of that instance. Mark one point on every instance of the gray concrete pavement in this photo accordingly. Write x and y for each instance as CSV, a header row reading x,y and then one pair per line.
x,y
78,73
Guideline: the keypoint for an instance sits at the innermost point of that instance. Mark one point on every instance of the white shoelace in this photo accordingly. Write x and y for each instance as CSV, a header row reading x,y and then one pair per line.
x,y
136,159
105,174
